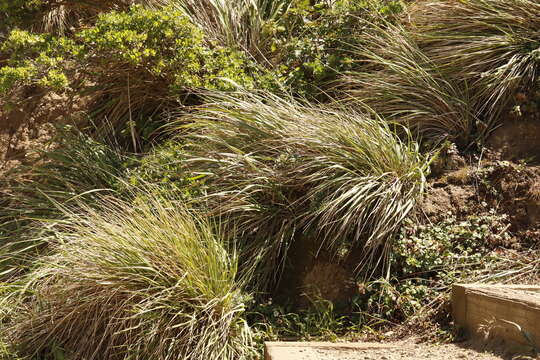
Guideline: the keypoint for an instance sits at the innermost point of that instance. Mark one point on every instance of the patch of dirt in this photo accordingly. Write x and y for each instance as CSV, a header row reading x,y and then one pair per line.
x,y
314,275
28,120
443,200
489,185
517,139
517,136
328,280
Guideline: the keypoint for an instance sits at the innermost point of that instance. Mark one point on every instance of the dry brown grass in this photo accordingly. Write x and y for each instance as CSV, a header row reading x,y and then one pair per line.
x,y
534,191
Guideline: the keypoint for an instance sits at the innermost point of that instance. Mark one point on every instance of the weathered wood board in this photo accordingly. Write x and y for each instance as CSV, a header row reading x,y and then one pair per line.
x,y
504,312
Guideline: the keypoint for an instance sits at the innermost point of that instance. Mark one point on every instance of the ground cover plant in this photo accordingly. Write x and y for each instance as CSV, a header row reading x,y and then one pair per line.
x,y
229,164
428,259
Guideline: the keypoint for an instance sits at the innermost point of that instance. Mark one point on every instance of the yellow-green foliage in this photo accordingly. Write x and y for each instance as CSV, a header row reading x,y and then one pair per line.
x,y
130,66
165,44
161,43
34,59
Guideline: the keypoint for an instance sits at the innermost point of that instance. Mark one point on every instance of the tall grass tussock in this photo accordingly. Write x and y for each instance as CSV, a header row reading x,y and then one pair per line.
x,y
490,46
139,280
276,170
453,70
241,23
404,85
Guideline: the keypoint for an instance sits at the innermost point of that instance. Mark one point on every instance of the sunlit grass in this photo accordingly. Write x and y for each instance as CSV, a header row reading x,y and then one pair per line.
x,y
276,170
241,23
145,279
77,168
402,84
491,46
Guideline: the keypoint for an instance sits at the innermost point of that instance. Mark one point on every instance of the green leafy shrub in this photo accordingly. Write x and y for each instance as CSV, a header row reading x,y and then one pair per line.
x,y
313,41
132,64
305,44
138,279
34,59
12,76
163,43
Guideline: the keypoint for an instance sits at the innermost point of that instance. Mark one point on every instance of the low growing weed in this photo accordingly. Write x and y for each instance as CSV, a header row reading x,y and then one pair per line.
x,y
427,259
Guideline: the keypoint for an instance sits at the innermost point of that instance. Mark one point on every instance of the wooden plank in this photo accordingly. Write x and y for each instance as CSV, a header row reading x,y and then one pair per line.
x,y
459,304
509,313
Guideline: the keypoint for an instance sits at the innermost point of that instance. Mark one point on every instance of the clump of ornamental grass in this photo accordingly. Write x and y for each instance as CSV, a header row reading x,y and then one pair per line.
x,y
491,46
145,279
277,170
402,84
